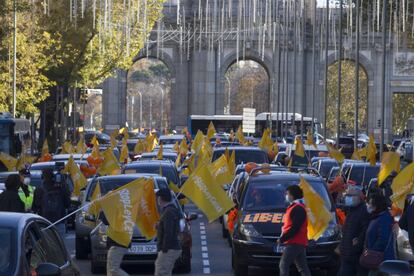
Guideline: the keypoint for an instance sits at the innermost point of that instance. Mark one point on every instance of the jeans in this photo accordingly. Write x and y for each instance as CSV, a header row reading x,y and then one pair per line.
x,y
294,254
114,261
164,264
349,268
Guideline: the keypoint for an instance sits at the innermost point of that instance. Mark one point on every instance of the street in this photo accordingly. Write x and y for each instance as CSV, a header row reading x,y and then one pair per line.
x,y
211,252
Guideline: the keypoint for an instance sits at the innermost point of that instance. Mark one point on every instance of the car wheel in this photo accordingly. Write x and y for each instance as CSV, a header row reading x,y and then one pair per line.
x,y
238,269
97,268
81,248
224,231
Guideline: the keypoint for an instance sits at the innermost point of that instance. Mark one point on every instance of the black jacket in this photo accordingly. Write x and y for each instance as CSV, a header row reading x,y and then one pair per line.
x,y
356,224
11,202
407,221
169,229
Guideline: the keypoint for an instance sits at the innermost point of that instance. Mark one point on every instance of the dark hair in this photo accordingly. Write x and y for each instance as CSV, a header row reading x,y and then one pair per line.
x,y
12,181
47,174
164,194
295,191
379,201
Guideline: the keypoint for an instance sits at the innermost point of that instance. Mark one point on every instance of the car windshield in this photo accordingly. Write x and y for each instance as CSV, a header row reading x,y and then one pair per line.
x,y
326,167
171,157
245,156
304,161
108,185
363,174
7,251
265,196
168,172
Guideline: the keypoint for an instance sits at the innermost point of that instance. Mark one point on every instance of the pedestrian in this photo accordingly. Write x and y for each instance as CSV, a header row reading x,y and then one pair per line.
x,y
115,254
294,234
406,221
10,200
379,240
52,199
353,233
168,230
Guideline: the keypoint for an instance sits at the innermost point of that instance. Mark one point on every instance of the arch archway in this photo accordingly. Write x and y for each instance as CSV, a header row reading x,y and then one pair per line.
x,y
149,85
247,85
347,110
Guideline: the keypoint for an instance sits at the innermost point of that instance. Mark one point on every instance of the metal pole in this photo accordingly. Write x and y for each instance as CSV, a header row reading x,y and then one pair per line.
x,y
162,109
326,68
251,103
132,110
228,96
384,81
294,67
356,119
278,80
338,102
150,113
313,67
14,56
140,111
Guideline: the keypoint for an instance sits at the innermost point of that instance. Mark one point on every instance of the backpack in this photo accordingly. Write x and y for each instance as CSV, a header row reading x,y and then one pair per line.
x,y
52,205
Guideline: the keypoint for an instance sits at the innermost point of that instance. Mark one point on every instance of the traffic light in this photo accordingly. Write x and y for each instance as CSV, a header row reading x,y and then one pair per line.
x,y
83,96
379,123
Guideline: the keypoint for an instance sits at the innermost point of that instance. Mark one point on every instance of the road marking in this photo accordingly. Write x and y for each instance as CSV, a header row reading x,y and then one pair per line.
x,y
204,249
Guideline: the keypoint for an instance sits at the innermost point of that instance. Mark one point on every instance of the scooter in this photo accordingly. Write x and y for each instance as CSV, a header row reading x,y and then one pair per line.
x,y
400,268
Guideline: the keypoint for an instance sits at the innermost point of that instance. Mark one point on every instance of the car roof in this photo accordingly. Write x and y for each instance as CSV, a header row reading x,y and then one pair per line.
x,y
13,220
284,175
67,156
129,176
154,153
174,136
238,148
149,162
365,164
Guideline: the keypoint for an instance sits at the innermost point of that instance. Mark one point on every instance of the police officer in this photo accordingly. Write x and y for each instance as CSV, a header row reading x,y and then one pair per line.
x,y
9,199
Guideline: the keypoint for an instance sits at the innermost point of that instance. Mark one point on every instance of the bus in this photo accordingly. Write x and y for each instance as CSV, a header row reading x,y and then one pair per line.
x,y
14,132
225,123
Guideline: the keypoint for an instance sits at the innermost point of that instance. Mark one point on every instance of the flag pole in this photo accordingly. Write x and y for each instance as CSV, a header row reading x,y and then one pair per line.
x,y
68,215
356,131
338,103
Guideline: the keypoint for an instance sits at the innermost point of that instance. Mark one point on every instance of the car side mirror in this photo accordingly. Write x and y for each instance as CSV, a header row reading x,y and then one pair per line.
x,y
48,269
192,216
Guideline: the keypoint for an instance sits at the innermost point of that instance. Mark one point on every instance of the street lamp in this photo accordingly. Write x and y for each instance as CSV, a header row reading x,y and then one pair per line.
x,y
162,104
132,110
228,97
140,111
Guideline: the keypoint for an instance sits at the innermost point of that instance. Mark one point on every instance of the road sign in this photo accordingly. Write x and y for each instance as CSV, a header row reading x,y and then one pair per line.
x,y
249,120
94,91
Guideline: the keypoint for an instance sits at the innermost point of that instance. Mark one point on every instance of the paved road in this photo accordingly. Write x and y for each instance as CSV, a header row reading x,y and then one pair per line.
x,y
211,253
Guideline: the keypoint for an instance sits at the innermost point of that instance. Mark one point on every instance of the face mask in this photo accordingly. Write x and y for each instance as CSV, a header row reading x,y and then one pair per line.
x,y
370,209
26,181
287,198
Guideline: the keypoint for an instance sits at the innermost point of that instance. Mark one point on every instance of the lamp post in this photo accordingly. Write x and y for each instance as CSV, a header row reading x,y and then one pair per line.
x,y
14,56
140,111
132,110
150,114
228,96
162,109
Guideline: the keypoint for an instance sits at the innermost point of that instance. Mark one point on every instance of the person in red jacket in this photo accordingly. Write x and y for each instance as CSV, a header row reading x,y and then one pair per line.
x,y
294,236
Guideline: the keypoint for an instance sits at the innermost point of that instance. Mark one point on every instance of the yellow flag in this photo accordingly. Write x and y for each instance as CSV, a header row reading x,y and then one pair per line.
x,y
173,188
198,142
390,162
184,147
221,172
356,155
211,131
124,132
96,192
402,185
109,165
176,147
275,148
151,142
160,152
94,141
81,147
139,147
123,157
184,131
67,148
334,153
190,163
266,142
8,161
24,161
130,205
240,135
45,148
78,179
299,150
178,161
210,199
318,215
309,139
371,151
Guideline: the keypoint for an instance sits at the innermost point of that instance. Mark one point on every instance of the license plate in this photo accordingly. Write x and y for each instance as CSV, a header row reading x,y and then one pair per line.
x,y
279,248
142,249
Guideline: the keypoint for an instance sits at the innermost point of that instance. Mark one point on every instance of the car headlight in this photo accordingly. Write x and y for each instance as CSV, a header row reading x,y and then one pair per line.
x,y
249,231
331,230
103,237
